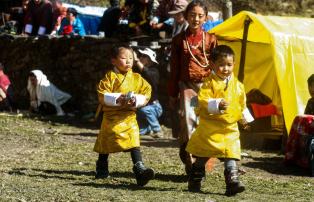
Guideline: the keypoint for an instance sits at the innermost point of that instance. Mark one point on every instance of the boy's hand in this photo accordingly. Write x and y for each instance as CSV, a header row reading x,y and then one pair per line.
x,y
131,102
121,100
223,105
245,125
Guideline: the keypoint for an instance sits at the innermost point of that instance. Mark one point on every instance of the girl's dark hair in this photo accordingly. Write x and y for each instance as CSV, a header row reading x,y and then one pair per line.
x,y
194,3
115,51
31,74
310,80
221,51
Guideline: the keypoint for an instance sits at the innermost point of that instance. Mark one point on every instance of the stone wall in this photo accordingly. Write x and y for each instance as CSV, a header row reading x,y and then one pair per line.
x,y
75,65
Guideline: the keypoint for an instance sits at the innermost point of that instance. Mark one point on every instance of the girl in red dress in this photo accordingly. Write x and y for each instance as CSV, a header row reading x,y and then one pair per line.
x,y
190,64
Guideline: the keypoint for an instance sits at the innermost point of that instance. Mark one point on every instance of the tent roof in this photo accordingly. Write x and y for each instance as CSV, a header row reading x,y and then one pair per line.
x,y
262,28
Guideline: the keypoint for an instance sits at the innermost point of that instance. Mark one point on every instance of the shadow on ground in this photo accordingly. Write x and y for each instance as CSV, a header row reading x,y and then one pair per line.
x,y
64,174
161,143
76,120
276,165
89,134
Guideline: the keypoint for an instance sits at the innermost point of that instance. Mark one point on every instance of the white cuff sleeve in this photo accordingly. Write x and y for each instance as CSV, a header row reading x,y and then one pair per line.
x,y
246,115
155,20
41,30
110,99
28,28
213,106
140,100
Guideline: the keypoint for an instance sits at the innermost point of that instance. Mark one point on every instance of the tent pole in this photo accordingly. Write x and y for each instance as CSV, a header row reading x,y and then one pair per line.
x,y
243,48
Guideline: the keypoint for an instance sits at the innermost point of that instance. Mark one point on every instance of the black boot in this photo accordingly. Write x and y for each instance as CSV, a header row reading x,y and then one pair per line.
x,y
197,175
233,184
102,171
186,158
142,174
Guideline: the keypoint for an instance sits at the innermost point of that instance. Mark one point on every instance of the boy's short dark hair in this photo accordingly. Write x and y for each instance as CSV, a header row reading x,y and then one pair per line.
x,y
73,11
116,50
310,80
221,51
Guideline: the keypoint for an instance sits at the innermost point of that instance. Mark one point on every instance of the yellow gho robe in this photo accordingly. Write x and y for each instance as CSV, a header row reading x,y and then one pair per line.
x,y
119,129
217,135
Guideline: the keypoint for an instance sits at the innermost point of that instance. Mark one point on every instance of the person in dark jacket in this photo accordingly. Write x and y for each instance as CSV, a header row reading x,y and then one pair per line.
x,y
38,18
147,116
110,19
309,109
140,12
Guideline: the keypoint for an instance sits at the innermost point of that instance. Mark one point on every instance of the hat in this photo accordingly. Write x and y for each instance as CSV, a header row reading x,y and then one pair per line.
x,y
150,53
154,45
178,7
133,44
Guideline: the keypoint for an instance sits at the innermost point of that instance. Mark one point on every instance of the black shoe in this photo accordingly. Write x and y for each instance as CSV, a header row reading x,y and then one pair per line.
x,y
102,171
142,174
197,175
101,174
233,184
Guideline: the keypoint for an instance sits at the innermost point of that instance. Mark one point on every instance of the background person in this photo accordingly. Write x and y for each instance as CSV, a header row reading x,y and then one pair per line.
x,y
180,24
71,24
309,109
38,18
190,64
45,98
148,115
6,92
110,20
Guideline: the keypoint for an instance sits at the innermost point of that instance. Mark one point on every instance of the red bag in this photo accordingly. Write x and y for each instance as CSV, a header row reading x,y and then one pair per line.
x,y
67,30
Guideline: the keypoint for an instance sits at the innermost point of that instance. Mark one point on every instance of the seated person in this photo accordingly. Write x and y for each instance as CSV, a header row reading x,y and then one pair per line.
x,y
180,24
139,14
110,19
162,19
300,141
38,17
71,24
59,12
45,98
147,116
309,109
6,100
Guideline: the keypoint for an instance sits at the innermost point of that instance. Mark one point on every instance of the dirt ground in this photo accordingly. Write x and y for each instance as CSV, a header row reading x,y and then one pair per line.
x,y
52,159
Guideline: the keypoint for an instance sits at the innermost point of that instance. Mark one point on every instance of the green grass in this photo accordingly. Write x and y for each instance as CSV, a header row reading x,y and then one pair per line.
x,y
43,160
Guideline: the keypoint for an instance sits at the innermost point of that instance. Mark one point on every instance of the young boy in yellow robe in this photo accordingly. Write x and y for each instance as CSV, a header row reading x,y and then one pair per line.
x,y
221,104
120,92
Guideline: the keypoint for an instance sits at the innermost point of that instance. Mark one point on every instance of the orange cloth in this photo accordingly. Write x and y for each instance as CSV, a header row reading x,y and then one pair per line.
x,y
260,111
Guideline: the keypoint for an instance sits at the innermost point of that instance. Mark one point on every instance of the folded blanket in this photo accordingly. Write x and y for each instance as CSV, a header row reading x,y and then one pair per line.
x,y
260,111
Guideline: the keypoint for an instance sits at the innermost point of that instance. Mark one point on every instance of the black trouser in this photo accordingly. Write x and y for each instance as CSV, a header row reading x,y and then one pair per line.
x,y
135,155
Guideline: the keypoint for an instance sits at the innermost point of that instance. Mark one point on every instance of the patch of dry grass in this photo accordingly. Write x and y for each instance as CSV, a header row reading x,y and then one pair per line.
x,y
43,160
